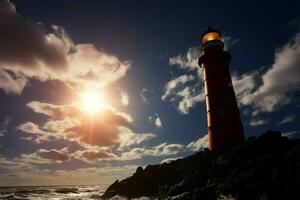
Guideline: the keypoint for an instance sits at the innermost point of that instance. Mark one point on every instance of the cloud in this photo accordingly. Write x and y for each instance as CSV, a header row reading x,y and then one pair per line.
x,y
186,97
276,86
244,85
142,94
167,149
44,156
37,134
188,61
163,149
53,111
28,51
18,172
93,155
90,156
106,129
124,99
288,119
156,120
190,97
12,82
13,164
53,154
169,160
59,126
100,68
101,131
25,44
280,81
128,138
199,144
185,91
229,42
171,86
4,125
290,134
258,122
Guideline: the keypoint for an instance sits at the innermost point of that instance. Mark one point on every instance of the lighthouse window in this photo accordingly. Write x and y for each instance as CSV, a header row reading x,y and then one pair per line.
x,y
211,36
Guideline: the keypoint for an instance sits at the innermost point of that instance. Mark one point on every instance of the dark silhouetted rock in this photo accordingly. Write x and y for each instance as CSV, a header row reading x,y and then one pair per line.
x,y
267,167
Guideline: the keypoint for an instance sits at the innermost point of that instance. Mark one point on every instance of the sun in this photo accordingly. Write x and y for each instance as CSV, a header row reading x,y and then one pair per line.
x,y
92,101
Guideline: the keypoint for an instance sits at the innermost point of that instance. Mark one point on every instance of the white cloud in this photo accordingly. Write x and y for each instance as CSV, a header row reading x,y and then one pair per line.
x,y
142,94
188,61
156,120
169,160
190,97
198,144
171,86
185,90
288,119
100,68
36,133
280,81
258,122
93,155
244,85
163,149
186,97
128,138
124,99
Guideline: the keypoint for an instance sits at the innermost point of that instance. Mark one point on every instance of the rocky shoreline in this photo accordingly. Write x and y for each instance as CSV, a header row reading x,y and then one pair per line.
x,y
266,167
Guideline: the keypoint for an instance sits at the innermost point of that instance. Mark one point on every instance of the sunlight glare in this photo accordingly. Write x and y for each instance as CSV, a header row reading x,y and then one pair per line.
x,y
92,101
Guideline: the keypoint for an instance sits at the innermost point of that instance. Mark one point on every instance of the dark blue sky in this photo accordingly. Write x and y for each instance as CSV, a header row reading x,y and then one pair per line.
x,y
262,37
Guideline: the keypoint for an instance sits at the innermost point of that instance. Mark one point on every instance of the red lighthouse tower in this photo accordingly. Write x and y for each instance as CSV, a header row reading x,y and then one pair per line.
x,y
224,124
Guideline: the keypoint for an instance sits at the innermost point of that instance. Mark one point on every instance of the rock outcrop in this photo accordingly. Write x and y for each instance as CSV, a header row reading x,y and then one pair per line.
x,y
267,167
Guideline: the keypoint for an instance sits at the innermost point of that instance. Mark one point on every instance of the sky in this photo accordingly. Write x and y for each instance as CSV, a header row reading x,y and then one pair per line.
x,y
90,90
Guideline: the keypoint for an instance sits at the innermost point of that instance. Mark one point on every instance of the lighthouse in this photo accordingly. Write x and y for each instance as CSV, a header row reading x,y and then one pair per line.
x,y
225,128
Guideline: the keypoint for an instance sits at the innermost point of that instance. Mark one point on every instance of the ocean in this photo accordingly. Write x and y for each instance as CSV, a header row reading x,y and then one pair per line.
x,y
52,192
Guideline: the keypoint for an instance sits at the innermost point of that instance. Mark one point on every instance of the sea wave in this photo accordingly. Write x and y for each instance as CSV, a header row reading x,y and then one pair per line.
x,y
117,197
52,192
